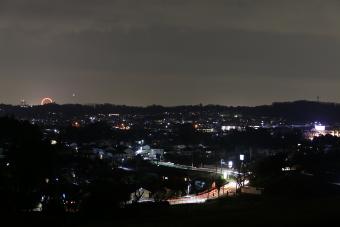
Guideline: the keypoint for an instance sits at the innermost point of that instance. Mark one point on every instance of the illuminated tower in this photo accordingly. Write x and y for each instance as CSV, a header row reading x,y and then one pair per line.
x,y
23,103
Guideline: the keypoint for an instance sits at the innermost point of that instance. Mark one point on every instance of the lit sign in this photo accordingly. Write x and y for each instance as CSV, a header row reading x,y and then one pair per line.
x,y
320,127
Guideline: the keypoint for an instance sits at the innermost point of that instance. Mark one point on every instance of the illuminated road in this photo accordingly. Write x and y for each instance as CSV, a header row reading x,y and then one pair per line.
x,y
207,170
227,190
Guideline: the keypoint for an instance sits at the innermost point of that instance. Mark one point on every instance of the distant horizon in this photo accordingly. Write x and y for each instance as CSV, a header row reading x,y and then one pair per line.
x,y
169,106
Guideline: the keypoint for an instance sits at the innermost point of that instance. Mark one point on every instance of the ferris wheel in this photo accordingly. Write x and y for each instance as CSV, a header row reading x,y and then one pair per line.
x,y
46,101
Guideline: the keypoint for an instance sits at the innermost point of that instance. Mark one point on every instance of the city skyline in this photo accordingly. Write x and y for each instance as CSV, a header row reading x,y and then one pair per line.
x,y
170,53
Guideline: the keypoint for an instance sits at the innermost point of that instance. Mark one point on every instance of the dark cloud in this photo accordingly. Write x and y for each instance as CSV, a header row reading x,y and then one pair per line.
x,y
125,51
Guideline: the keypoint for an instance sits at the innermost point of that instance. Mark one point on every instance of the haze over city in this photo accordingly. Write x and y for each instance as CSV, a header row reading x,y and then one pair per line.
x,y
235,52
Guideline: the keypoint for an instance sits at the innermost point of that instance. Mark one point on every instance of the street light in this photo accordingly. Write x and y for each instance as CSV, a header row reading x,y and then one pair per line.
x,y
222,163
230,164
227,172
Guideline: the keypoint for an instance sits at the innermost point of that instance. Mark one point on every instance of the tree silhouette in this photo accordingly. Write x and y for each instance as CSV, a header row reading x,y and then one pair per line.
x,y
30,160
219,183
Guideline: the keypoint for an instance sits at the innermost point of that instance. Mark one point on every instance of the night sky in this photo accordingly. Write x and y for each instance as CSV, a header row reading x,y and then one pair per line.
x,y
169,52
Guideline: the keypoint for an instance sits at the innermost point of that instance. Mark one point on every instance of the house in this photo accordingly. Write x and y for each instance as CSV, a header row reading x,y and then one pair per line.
x,y
123,153
130,154
141,195
150,154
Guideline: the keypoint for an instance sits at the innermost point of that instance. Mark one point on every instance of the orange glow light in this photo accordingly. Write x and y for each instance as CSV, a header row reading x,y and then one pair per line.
x,y
45,101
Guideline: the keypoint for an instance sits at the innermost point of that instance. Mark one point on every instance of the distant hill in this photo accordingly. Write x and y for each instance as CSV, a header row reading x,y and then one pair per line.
x,y
299,111
294,112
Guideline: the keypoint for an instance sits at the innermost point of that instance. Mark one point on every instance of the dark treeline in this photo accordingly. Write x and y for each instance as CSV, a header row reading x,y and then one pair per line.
x,y
34,173
293,112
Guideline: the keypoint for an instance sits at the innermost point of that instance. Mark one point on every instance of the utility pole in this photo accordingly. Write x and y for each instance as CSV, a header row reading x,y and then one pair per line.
x,y
240,178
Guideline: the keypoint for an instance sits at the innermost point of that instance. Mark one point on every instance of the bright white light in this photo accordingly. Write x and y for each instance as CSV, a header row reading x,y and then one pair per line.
x,y
241,157
286,169
230,164
228,128
320,127
232,184
226,174
141,142
139,151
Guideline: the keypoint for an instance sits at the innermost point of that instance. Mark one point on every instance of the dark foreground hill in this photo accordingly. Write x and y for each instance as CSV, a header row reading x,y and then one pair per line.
x,y
244,211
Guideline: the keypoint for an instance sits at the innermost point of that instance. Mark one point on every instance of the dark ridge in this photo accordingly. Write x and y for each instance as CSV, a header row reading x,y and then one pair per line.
x,y
293,112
